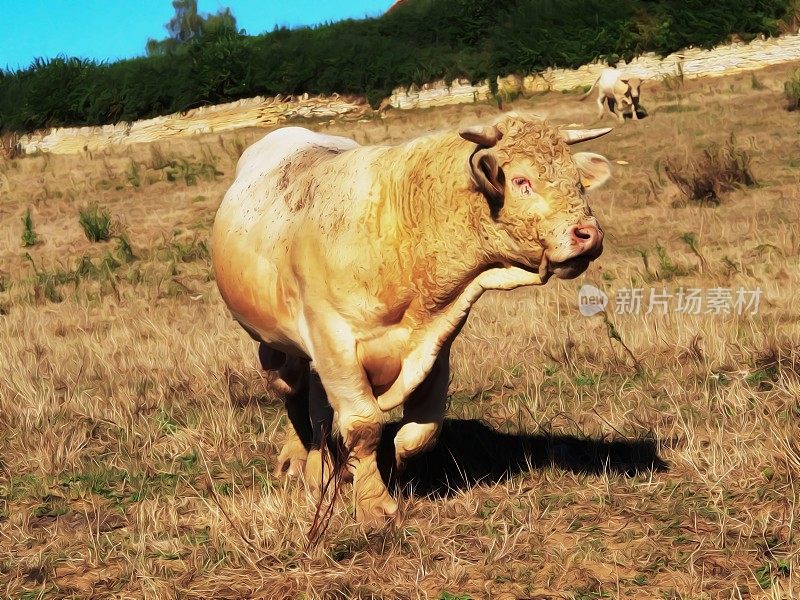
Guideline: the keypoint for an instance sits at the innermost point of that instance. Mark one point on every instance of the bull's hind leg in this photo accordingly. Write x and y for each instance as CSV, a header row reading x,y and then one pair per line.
x,y
319,465
292,459
618,108
289,379
601,106
423,412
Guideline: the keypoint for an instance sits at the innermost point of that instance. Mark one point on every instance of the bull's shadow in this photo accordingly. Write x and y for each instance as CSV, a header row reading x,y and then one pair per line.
x,y
470,452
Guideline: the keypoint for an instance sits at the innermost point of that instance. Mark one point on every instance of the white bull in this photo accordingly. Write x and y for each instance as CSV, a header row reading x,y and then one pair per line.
x,y
618,91
355,267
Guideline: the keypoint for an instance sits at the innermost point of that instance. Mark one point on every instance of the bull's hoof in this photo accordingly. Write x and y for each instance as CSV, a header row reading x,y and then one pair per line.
x,y
377,513
318,470
292,459
375,507
400,464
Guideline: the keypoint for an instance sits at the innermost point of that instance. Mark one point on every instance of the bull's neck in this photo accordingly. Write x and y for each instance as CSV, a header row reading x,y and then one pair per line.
x,y
440,218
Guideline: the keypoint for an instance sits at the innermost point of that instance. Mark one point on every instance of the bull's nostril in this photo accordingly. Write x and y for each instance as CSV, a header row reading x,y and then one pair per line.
x,y
584,234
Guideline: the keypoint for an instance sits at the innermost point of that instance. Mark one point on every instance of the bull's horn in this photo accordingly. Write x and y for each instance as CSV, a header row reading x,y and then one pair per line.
x,y
483,136
574,136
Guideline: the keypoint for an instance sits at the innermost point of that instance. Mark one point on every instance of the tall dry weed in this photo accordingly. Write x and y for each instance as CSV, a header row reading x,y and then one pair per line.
x,y
708,175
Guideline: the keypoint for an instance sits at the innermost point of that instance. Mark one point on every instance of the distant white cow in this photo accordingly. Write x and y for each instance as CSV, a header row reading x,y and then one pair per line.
x,y
619,91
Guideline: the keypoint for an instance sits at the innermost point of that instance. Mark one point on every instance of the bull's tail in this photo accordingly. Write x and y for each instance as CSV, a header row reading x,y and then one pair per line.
x,y
586,95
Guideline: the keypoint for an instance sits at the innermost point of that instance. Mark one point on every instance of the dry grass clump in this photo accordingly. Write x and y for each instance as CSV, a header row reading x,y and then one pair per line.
x,y
96,223
791,90
176,168
711,173
9,145
626,455
791,22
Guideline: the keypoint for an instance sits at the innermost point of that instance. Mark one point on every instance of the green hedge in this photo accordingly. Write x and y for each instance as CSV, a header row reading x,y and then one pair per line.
x,y
420,41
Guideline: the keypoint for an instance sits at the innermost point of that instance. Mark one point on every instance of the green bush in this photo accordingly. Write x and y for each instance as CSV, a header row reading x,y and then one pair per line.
x,y
419,41
29,237
96,223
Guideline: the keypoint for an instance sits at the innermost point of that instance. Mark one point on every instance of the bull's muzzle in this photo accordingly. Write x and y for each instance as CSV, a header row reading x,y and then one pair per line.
x,y
587,240
587,244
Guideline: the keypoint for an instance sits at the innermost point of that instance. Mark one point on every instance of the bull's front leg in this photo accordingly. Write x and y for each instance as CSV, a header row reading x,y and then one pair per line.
x,y
444,327
619,109
358,417
360,422
423,412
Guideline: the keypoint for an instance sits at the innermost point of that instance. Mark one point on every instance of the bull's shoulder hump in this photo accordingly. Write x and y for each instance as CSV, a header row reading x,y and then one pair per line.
x,y
281,144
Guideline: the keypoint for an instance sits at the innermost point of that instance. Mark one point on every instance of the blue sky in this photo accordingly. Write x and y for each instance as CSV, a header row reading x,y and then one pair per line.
x,y
113,29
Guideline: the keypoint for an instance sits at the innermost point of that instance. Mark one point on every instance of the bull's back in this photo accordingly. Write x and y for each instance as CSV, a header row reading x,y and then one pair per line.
x,y
254,228
608,80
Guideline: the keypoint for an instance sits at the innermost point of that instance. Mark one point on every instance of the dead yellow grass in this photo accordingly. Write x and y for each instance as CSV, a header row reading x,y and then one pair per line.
x,y
138,438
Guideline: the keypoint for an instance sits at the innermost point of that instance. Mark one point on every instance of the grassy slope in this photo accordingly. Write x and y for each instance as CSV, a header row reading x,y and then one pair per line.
x,y
138,437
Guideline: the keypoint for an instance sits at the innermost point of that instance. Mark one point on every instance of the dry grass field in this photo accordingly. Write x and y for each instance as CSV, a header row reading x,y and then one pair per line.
x,y
631,456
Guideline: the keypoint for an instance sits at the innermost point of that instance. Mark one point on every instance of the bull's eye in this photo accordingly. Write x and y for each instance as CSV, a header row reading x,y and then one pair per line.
x,y
581,187
523,184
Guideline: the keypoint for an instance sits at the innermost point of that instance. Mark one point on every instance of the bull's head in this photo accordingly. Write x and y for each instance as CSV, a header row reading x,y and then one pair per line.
x,y
536,191
634,88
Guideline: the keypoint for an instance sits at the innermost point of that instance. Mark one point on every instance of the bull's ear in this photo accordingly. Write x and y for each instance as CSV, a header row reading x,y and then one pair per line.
x,y
488,178
594,169
485,137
